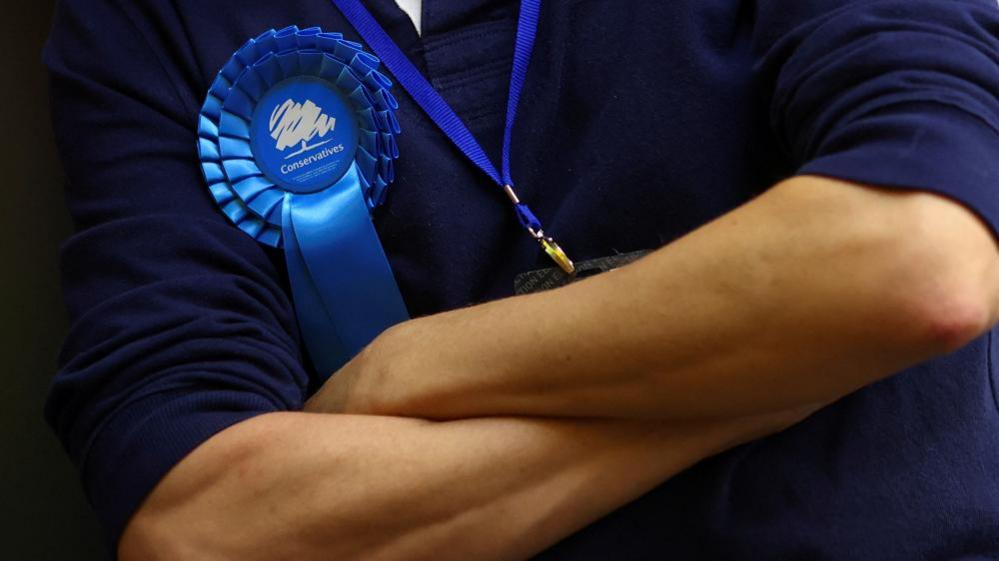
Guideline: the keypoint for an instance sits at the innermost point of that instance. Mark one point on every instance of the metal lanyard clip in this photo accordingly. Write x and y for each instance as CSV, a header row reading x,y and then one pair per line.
x,y
533,227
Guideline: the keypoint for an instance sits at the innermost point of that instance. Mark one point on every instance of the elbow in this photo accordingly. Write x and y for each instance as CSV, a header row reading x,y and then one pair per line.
x,y
169,530
930,316
206,506
946,322
940,282
148,537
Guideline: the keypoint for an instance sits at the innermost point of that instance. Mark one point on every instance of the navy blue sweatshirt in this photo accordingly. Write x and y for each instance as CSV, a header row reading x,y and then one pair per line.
x,y
640,121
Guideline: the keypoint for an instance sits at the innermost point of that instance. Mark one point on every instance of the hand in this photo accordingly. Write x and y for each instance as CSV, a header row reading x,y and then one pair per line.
x,y
340,395
333,396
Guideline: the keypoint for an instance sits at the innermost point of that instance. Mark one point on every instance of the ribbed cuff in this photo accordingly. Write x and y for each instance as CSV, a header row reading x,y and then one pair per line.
x,y
927,146
148,437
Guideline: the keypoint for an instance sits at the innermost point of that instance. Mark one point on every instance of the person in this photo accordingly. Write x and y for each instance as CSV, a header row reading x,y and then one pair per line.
x,y
800,369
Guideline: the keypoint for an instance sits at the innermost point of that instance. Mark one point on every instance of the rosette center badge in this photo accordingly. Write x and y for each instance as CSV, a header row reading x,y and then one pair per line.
x,y
304,135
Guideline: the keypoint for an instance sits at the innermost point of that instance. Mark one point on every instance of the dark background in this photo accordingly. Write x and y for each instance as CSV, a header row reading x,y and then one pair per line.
x,y
43,515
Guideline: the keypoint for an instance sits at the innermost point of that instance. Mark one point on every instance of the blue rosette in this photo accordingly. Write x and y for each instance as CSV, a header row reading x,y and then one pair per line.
x,y
296,140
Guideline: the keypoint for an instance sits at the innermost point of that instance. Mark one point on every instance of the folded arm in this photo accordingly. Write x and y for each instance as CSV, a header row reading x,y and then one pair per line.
x,y
804,294
316,487
814,289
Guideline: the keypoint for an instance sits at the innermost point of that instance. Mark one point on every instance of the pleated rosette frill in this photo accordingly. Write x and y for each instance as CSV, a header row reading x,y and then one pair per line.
x,y
245,193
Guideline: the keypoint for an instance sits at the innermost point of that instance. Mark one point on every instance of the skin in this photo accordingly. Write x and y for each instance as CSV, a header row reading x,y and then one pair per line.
x,y
811,291
611,386
319,487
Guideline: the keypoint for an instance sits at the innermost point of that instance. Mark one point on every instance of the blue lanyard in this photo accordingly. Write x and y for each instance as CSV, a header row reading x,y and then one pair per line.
x,y
450,124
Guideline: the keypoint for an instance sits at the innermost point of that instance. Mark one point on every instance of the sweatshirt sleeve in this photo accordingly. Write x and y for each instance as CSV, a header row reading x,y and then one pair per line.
x,y
180,324
894,93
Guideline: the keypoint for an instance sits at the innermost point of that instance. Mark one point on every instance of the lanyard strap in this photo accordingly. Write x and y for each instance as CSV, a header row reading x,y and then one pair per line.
x,y
448,121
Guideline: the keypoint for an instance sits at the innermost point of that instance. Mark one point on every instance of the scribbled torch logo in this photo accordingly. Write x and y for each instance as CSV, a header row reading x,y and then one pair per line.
x,y
294,123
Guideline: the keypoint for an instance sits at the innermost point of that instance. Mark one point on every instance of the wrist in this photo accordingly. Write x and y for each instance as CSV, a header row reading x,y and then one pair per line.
x,y
372,380
340,393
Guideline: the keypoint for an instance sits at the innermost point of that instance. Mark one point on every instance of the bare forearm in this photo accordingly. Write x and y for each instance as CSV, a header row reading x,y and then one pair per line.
x,y
306,486
799,297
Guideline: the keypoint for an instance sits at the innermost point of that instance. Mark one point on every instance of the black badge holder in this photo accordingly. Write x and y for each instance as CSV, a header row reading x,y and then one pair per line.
x,y
546,279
